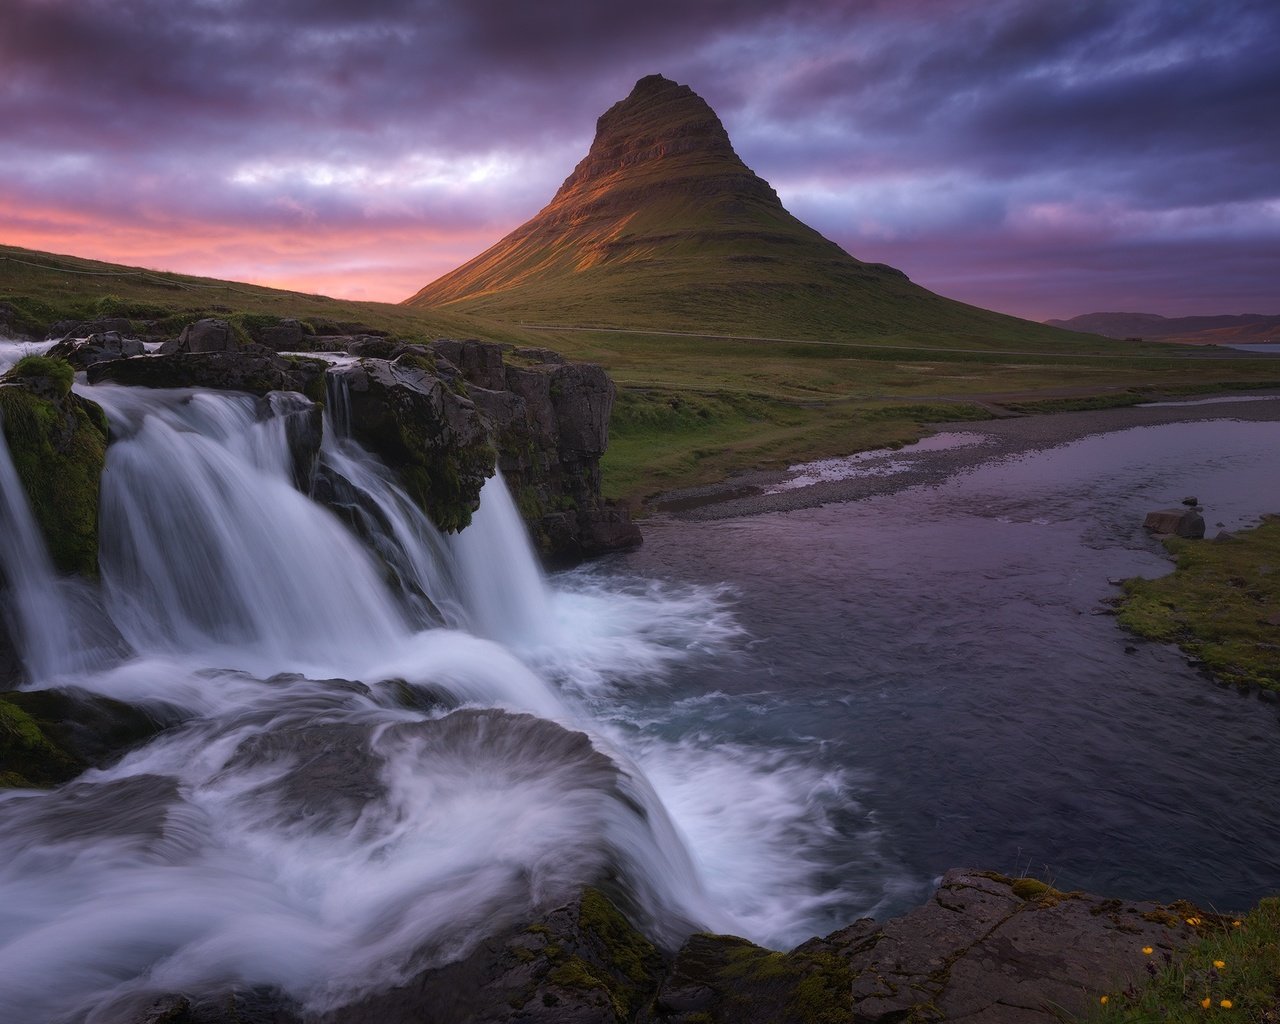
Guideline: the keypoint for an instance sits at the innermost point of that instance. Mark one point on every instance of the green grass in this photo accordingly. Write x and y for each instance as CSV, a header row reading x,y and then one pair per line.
x,y
1192,988
741,402
45,287
1221,604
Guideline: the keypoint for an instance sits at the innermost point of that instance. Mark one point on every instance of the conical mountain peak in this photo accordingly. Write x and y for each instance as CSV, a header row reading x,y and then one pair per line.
x,y
659,120
662,226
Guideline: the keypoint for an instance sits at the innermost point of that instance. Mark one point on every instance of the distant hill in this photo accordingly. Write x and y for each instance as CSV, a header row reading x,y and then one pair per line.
x,y
1205,330
662,226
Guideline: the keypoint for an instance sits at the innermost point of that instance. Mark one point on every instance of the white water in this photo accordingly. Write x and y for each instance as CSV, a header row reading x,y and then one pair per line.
x,y
366,777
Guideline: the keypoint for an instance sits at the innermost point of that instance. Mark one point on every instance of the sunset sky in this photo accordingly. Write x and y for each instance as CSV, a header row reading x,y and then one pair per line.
x,y
1044,159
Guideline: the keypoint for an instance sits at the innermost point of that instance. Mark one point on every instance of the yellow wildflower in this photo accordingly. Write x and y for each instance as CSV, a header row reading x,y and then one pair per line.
x,y
1206,1002
1219,964
1237,923
1193,921
1226,1004
1148,950
1104,1000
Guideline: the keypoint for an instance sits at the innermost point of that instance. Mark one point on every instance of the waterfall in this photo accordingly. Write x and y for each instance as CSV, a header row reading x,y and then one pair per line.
x,y
501,584
37,610
368,775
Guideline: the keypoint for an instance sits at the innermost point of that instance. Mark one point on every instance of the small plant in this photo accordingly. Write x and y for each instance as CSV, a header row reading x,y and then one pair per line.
x,y
1231,974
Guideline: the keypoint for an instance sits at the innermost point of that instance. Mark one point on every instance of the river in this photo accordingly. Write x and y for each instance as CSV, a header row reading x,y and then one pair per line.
x,y
384,744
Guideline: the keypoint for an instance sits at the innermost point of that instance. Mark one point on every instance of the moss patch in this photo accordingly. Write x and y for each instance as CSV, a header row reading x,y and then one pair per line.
x,y
805,986
1221,604
58,446
27,757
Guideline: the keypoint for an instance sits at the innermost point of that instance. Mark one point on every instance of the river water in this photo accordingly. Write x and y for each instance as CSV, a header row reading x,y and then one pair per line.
x,y
385,744
937,657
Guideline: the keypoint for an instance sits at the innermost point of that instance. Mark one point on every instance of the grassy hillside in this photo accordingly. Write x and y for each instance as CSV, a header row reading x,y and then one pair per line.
x,y
696,408
42,288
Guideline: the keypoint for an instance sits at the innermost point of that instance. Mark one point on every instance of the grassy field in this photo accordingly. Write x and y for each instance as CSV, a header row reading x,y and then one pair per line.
x,y
697,408
1221,604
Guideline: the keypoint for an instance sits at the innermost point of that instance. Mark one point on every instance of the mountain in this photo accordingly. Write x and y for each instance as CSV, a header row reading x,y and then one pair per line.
x,y
1206,330
662,226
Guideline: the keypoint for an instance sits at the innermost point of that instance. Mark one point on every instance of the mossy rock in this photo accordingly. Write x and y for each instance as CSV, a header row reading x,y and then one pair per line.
x,y
57,441
723,979
28,758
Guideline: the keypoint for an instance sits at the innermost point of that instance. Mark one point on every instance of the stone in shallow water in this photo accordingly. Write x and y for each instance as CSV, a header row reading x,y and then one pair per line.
x,y
1180,522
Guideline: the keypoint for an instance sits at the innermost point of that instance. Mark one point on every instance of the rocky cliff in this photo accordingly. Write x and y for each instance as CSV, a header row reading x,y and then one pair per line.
x,y
442,415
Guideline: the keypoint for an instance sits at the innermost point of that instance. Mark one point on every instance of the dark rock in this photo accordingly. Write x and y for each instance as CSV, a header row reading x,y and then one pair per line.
x,y
374,347
990,948
1192,502
434,438
480,362
304,430
96,348
237,1006
551,423
254,369
208,335
83,328
1176,522
57,441
91,730
286,336
582,963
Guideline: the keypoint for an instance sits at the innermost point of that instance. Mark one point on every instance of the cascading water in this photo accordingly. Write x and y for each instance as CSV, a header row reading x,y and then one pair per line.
x,y
382,757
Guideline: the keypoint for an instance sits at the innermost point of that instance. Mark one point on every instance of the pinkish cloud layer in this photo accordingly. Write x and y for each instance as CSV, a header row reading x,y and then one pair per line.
x,y
1043,159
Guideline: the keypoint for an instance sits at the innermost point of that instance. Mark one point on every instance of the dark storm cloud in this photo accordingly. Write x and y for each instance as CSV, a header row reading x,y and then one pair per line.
x,y
1144,124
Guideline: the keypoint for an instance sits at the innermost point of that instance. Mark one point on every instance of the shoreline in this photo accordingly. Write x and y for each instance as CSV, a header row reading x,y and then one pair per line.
x,y
747,494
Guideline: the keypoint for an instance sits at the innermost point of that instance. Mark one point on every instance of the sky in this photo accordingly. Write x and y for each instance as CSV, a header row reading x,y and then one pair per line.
x,y
1045,159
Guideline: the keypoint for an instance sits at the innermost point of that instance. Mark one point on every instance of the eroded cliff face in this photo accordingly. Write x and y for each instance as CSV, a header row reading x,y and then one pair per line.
x,y
550,421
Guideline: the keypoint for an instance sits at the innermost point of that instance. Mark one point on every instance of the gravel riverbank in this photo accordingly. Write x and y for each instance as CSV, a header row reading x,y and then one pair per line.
x,y
949,449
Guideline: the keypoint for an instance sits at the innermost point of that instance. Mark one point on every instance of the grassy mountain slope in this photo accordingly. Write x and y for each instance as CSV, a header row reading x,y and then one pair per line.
x,y
39,288
663,227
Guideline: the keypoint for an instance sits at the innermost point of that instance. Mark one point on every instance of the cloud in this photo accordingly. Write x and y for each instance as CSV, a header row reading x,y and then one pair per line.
x,y
1139,124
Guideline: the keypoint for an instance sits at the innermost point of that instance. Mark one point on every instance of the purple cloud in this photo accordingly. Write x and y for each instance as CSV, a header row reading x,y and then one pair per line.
x,y
967,142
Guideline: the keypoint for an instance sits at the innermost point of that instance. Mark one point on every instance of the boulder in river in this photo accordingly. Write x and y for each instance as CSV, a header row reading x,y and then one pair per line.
x,y
1176,522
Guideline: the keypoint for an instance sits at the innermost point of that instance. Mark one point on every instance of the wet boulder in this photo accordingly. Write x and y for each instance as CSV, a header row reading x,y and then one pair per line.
x,y
50,736
57,441
431,434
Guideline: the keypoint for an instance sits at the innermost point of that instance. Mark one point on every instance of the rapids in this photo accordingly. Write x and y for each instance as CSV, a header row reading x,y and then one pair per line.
x,y
380,748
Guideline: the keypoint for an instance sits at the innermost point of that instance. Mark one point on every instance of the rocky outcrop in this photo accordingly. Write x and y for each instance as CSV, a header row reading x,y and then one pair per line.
x,y
58,444
551,427
442,414
252,368
985,949
96,348
431,434
208,335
